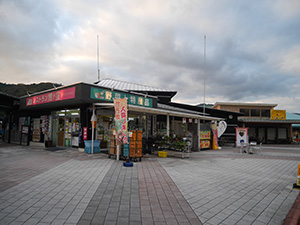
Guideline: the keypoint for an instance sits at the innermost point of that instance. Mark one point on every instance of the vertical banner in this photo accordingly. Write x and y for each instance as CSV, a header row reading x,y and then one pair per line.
x,y
214,129
241,134
298,175
121,120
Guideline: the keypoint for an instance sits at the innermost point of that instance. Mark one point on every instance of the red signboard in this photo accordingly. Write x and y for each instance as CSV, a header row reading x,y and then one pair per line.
x,y
85,133
54,96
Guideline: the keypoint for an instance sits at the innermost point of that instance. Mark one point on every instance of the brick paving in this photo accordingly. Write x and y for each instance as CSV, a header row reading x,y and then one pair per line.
x,y
116,201
22,165
216,187
237,189
59,195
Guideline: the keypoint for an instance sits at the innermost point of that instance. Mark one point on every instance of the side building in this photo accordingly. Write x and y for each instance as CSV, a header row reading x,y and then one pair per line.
x,y
266,124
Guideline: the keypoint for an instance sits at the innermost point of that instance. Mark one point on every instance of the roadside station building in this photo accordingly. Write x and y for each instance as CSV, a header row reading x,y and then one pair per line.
x,y
62,116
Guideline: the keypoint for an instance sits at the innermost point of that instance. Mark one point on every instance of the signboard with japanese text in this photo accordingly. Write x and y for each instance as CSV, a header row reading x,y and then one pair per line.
x,y
278,114
205,139
106,95
85,133
241,136
204,135
53,96
204,144
121,120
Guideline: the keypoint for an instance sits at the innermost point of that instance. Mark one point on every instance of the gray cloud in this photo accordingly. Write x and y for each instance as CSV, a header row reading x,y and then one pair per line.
x,y
252,47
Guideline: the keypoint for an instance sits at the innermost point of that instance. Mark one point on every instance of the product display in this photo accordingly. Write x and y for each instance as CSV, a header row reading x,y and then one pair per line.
x,y
136,146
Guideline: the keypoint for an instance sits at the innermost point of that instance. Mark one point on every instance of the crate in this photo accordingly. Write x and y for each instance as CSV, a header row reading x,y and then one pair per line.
x,y
162,154
139,152
139,144
139,135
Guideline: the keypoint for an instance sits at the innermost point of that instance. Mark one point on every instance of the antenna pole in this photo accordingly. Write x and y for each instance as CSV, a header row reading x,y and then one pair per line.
x,y
98,57
204,70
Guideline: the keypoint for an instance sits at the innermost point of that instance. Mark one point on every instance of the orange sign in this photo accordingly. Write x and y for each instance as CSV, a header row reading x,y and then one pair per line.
x,y
204,134
204,144
278,115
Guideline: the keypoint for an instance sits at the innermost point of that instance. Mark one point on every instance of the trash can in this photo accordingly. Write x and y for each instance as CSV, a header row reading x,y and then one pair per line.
x,y
88,146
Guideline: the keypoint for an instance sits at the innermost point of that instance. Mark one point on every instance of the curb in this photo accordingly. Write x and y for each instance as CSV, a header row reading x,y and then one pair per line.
x,y
293,216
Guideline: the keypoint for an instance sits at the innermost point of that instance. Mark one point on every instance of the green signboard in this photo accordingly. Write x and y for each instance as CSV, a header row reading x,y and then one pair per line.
x,y
106,95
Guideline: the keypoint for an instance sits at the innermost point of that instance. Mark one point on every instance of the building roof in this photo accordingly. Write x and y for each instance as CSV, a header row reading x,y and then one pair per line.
x,y
128,86
243,104
267,120
293,116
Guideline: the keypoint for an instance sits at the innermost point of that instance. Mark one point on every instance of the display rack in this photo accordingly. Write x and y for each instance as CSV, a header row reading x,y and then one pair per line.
x,y
136,145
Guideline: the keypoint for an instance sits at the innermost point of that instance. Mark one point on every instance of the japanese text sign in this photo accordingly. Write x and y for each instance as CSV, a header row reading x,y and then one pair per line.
x,y
53,96
106,95
121,120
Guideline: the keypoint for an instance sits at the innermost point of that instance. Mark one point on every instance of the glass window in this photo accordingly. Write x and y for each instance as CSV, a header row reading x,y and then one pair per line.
x,y
255,112
282,133
265,113
245,111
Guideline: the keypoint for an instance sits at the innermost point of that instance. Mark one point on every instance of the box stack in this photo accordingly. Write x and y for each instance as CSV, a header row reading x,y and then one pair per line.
x,y
136,145
113,146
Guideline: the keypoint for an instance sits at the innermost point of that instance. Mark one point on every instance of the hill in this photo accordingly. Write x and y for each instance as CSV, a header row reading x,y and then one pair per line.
x,y
19,90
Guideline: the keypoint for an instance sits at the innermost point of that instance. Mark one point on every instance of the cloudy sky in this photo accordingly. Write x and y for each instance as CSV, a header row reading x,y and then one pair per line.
x,y
252,47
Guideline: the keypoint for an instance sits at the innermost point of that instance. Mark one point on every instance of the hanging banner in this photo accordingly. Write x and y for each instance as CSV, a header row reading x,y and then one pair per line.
x,y
121,120
241,134
298,175
214,129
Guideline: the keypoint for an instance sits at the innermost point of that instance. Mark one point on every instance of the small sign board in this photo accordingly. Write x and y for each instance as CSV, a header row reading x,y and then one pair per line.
x,y
241,136
278,114
85,133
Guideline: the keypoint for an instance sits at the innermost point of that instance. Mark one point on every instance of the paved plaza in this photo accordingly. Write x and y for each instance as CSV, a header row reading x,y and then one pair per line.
x,y
211,187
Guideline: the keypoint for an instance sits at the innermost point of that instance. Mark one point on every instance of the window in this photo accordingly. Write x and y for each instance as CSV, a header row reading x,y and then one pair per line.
x,y
255,112
265,113
245,111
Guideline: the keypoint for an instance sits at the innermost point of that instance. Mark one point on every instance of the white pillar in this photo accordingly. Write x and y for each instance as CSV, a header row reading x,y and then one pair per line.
x,y
118,151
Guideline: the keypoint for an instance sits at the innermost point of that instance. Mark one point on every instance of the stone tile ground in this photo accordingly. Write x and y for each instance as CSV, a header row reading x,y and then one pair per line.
x,y
236,190
216,187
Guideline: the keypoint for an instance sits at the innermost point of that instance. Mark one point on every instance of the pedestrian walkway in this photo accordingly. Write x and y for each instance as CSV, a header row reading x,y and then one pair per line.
x,y
211,187
57,196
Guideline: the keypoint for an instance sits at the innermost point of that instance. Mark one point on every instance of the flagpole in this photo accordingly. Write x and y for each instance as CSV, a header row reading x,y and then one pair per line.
x,y
204,71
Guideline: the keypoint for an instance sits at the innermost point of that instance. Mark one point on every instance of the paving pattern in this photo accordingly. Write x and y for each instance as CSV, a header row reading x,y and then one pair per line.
x,y
161,200
57,196
211,187
236,190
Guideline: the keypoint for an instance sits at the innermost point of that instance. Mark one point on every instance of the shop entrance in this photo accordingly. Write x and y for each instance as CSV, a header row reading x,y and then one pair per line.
x,y
66,127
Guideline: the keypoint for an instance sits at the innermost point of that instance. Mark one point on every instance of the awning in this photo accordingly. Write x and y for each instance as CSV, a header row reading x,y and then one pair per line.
x,y
158,111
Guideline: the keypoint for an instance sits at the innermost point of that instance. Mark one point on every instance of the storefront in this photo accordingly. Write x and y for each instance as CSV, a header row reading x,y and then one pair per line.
x,y
62,116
